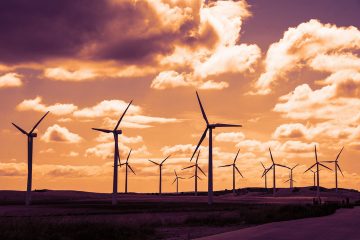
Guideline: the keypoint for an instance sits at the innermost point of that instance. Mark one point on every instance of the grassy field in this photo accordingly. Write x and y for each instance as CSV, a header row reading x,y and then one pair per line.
x,y
149,220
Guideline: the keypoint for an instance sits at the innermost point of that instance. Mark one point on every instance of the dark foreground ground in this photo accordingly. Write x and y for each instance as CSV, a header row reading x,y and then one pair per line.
x,y
67,215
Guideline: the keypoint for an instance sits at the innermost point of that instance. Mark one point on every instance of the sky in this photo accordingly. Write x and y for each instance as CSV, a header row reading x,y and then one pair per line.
x,y
288,71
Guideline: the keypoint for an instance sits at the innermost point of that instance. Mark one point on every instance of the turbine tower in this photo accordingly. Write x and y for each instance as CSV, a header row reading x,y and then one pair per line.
x,y
177,181
291,179
265,172
127,166
30,135
116,132
337,166
273,167
209,127
234,167
196,165
160,167
317,164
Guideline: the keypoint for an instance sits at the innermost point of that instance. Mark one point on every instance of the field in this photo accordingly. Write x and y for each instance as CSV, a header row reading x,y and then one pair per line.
x,y
82,215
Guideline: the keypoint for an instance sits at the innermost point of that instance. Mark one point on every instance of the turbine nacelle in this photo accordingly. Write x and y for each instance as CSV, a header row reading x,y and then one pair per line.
x,y
33,135
117,132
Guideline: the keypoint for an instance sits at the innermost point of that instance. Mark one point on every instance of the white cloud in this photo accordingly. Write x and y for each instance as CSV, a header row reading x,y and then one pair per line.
x,y
62,74
57,133
10,80
37,105
230,137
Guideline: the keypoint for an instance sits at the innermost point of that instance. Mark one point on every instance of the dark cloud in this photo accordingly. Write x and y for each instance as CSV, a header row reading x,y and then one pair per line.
x,y
124,30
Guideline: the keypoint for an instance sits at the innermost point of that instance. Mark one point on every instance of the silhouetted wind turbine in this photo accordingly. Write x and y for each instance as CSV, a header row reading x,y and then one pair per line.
x,y
127,166
160,167
177,182
317,163
337,166
291,179
196,165
265,172
30,135
209,127
234,167
115,132
273,166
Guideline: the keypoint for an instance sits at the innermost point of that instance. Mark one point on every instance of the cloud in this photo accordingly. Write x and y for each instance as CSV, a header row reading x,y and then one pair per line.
x,y
107,108
56,133
37,105
49,150
105,137
291,130
10,80
310,44
70,154
13,169
61,74
230,137
188,67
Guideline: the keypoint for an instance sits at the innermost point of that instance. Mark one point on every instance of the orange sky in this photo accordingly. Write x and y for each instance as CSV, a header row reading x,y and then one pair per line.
x,y
289,73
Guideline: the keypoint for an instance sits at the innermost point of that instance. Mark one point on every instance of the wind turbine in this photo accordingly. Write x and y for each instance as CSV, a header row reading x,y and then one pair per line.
x,y
317,163
177,182
30,135
273,166
116,134
196,165
337,166
209,127
291,179
265,172
234,167
160,167
127,166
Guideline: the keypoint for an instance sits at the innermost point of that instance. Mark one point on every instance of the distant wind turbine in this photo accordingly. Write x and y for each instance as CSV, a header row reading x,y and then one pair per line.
x,y
291,177
273,166
265,172
209,127
160,167
234,167
337,166
127,166
30,135
317,164
195,176
116,134
177,181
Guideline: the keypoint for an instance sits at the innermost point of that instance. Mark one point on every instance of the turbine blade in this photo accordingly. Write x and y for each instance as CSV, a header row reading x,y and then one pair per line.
x,y
226,125
188,167
272,159
127,159
294,166
202,109
102,130
267,170
181,178
263,165
339,154
310,167
228,165
175,173
280,165
325,166
165,159
236,156
199,177
20,129
117,151
37,124
201,170
340,169
131,169
174,181
191,176
154,162
316,158
201,139
287,180
197,157
328,161
239,171
118,123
